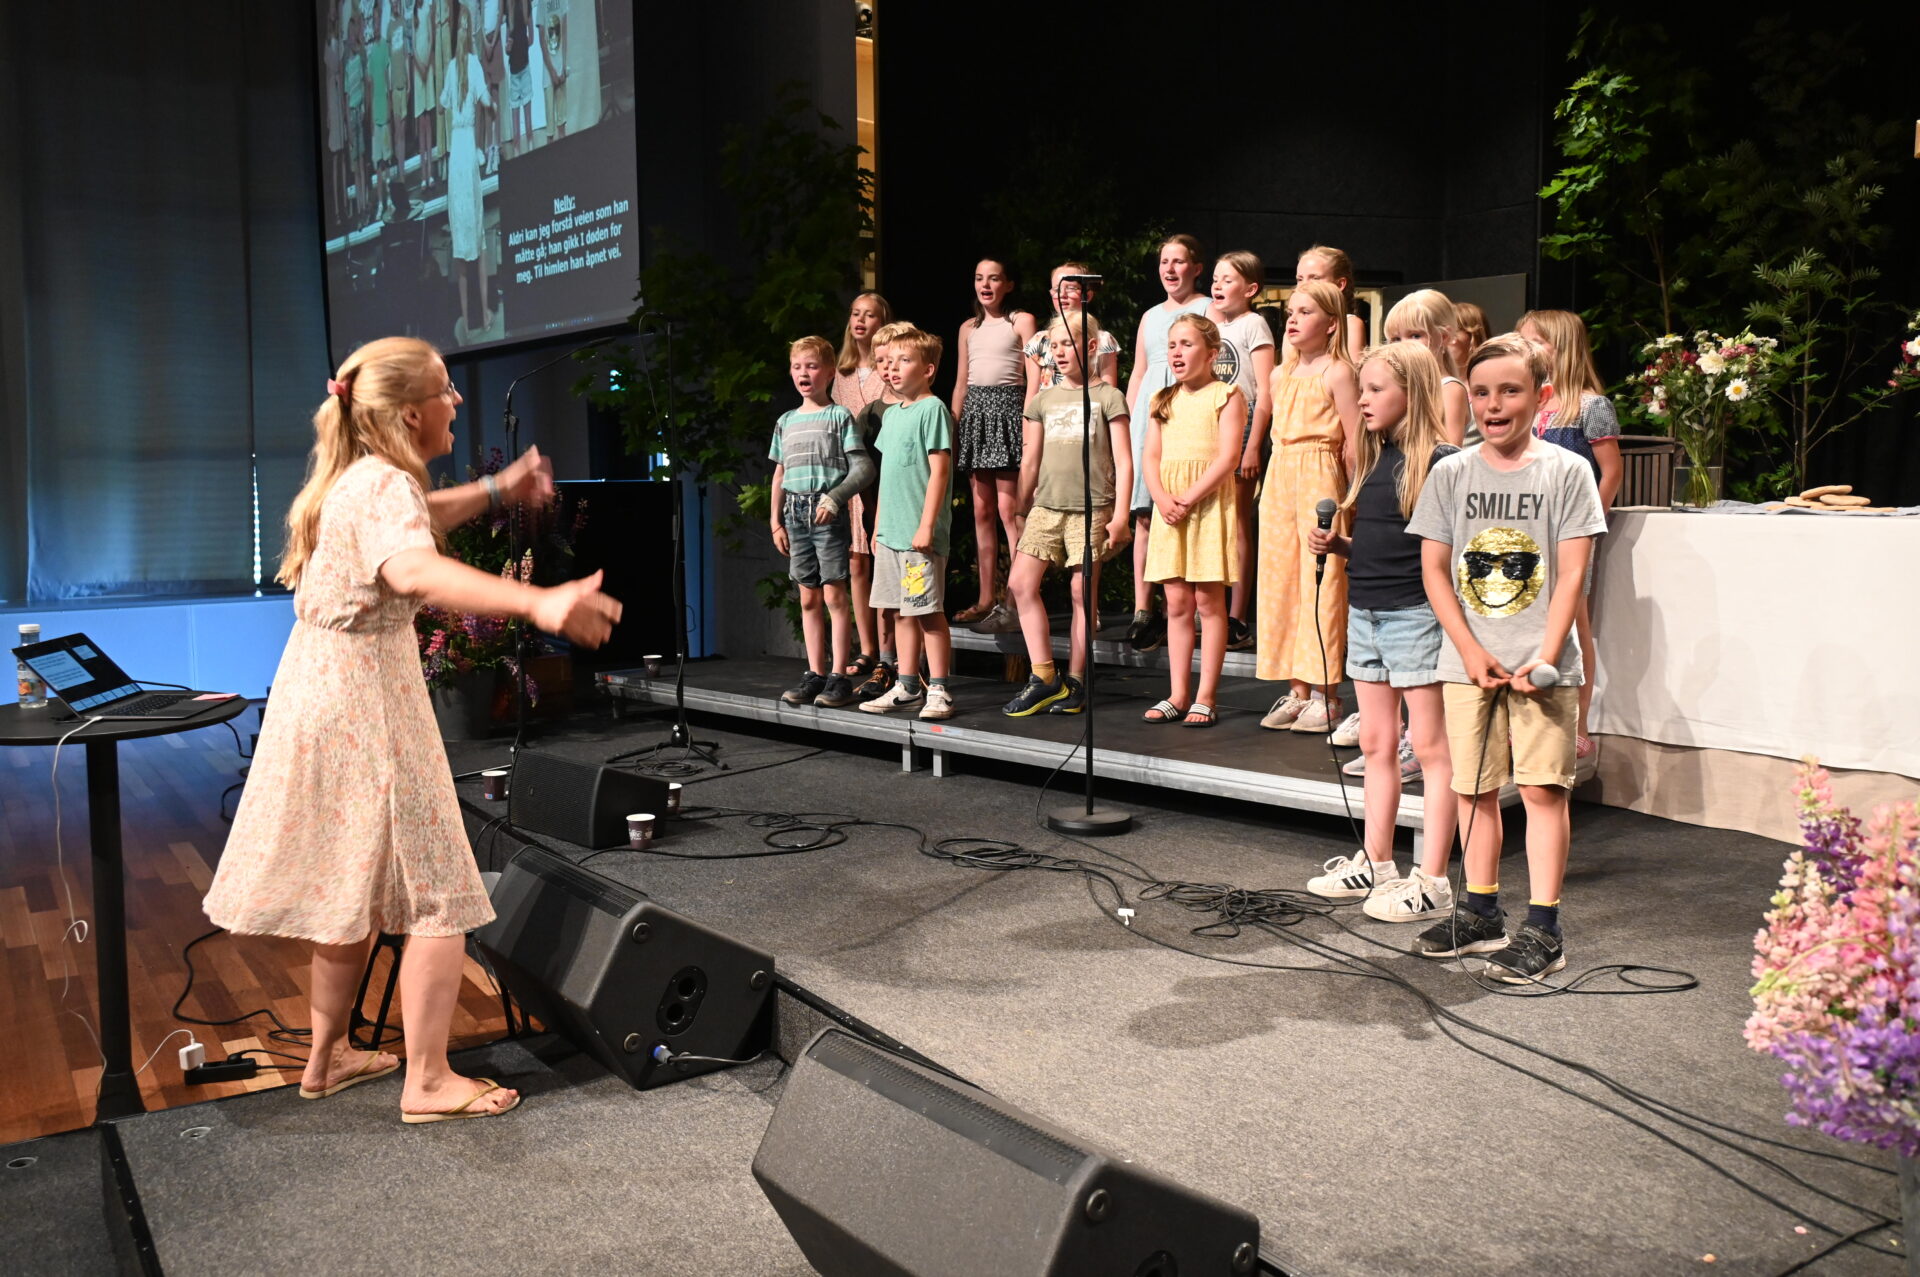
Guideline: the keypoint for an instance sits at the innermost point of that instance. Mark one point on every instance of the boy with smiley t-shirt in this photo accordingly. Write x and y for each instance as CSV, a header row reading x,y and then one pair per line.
x,y
1508,530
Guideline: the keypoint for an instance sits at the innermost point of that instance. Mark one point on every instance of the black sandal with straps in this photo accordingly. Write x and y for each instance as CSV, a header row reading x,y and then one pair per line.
x,y
861,666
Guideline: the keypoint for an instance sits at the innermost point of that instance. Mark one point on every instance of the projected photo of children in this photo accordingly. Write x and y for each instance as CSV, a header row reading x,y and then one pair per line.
x,y
432,111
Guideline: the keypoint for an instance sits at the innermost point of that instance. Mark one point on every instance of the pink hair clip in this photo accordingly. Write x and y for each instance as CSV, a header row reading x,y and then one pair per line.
x,y
336,388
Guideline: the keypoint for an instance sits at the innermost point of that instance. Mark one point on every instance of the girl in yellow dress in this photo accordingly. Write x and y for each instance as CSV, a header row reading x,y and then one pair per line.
x,y
1316,419
1193,444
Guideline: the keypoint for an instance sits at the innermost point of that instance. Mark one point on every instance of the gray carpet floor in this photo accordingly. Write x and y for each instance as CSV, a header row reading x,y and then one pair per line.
x,y
51,1208
1329,1105
587,1175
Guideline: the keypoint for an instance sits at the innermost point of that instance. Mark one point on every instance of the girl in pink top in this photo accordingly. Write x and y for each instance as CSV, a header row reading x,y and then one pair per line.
x,y
989,400
857,383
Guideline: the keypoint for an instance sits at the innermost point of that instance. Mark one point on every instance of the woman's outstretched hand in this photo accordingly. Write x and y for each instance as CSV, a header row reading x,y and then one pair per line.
x,y
577,611
529,480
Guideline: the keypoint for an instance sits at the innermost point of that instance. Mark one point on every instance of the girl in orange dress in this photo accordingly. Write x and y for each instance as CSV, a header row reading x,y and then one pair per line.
x,y
1316,419
349,826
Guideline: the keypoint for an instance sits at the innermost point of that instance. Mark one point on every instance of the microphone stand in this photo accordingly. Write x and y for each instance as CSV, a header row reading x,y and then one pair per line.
x,y
512,424
680,736
1088,819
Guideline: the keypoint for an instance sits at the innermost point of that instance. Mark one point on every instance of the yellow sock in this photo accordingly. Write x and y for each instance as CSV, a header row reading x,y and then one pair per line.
x,y
1045,672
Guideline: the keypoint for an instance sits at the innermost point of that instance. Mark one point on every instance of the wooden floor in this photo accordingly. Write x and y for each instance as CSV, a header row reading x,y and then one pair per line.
x,y
172,836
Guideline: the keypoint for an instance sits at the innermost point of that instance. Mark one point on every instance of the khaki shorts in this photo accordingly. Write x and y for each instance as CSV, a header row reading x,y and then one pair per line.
x,y
908,582
1060,536
1540,729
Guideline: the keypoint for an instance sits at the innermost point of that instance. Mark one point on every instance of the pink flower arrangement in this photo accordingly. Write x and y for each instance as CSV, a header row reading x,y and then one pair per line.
x,y
1837,970
456,643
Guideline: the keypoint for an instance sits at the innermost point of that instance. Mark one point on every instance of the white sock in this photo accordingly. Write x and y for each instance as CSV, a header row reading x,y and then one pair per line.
x,y
1383,870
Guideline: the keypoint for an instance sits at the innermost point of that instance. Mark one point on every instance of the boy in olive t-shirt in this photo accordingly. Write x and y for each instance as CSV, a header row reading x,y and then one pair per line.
x,y
1053,493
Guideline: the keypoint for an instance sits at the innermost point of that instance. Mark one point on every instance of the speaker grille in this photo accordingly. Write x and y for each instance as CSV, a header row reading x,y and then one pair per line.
x,y
1039,1152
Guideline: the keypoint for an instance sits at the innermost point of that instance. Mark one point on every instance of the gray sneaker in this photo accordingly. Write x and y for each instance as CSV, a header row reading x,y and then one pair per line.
x,y
1002,620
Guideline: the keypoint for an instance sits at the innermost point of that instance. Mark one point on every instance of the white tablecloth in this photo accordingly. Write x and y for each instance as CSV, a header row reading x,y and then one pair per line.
x,y
1767,635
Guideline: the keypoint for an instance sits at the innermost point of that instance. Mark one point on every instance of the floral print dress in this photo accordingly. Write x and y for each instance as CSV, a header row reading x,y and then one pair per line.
x,y
349,824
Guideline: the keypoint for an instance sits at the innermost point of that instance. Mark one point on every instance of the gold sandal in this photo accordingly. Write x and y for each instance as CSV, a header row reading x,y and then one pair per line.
x,y
355,1078
464,1110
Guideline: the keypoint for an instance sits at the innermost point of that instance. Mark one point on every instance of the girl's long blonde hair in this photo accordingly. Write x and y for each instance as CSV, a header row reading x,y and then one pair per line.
x,y
381,380
1428,310
1416,371
849,348
1329,299
1159,405
1574,375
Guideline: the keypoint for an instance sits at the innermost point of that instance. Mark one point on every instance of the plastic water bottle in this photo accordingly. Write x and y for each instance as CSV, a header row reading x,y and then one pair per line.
x,y
33,691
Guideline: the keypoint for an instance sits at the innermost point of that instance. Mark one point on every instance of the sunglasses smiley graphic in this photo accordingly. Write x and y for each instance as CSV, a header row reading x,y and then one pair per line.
x,y
1501,572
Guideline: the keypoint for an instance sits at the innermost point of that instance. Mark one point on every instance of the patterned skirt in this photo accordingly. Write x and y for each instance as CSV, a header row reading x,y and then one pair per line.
x,y
988,434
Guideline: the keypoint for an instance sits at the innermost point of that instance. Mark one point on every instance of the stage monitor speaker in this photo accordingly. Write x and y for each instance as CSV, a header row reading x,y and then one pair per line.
x,y
581,803
620,976
879,1166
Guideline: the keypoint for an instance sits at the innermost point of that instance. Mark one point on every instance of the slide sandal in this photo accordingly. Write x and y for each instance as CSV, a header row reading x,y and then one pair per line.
x,y
1206,716
355,1078
466,1109
1164,712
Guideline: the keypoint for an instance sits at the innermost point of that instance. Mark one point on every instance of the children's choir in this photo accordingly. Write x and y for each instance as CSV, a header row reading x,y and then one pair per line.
x,y
1472,475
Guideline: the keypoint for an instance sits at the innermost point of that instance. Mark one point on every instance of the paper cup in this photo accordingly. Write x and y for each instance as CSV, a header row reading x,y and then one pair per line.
x,y
493,784
639,829
653,665
673,797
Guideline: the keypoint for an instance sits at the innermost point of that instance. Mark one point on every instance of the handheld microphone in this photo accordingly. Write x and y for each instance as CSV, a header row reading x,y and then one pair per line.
x,y
1544,676
1323,515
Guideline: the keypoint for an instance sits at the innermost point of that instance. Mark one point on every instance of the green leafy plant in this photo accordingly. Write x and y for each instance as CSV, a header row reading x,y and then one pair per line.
x,y
802,212
1691,193
1825,316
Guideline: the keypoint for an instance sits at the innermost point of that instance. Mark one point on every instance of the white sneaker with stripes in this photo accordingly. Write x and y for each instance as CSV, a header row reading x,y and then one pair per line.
x,y
1350,876
1414,898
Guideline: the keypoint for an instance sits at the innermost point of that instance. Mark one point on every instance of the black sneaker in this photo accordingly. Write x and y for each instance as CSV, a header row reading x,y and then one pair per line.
x,y
837,692
878,683
1465,932
1148,631
1239,635
1034,697
1533,953
803,692
1074,701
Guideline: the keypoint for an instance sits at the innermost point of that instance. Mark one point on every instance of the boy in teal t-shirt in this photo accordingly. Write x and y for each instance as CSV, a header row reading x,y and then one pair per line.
x,y
910,534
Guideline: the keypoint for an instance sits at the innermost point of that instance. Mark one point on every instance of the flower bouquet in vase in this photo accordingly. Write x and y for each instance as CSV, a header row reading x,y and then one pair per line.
x,y
1837,997
1701,393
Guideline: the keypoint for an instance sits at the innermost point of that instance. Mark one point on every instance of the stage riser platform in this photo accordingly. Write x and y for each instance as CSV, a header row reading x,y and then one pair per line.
x,y
1109,648
1235,759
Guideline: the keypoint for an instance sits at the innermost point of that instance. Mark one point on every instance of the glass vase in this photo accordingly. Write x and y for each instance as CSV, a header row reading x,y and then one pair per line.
x,y
1696,486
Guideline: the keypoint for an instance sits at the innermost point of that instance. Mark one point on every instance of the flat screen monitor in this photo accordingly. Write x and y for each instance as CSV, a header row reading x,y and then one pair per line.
x,y
478,172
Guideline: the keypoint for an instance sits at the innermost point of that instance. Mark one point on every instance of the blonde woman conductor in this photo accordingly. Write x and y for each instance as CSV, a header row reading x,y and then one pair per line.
x,y
349,826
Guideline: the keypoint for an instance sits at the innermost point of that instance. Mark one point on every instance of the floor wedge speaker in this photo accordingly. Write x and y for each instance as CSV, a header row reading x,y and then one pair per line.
x,y
581,803
621,976
878,1166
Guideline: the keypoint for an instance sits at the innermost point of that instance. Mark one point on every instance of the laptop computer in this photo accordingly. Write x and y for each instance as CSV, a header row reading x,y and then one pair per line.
x,y
87,681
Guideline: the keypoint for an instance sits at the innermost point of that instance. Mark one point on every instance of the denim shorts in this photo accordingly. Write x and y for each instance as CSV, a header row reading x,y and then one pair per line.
x,y
816,552
1401,647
